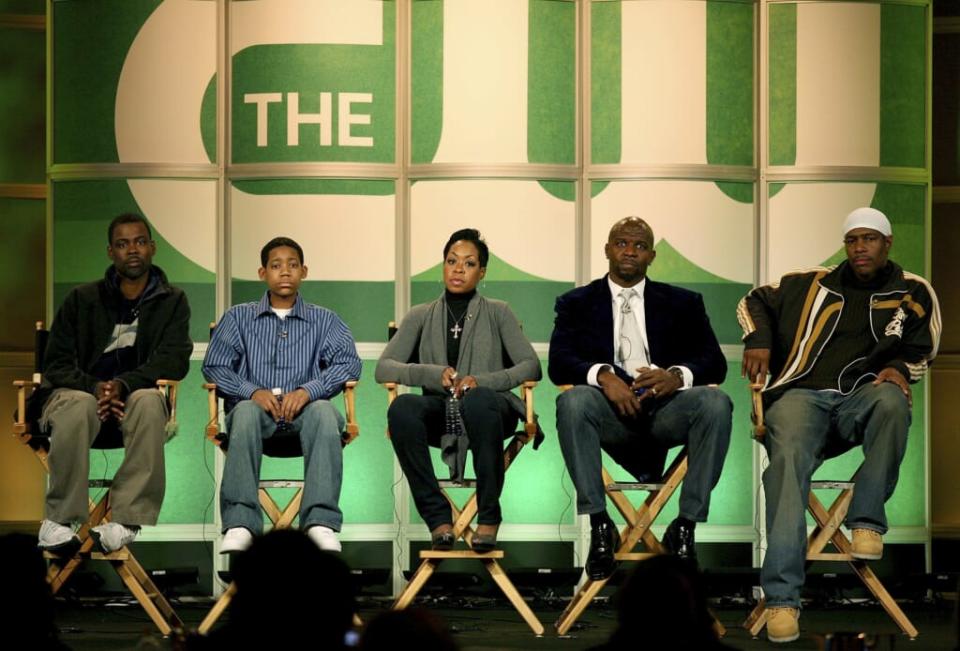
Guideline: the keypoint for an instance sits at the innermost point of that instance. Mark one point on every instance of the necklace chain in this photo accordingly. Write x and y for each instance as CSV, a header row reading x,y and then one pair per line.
x,y
456,329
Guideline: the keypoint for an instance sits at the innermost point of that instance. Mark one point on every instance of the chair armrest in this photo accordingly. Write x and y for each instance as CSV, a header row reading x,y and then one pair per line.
x,y
20,425
392,392
526,393
349,402
756,398
529,420
212,430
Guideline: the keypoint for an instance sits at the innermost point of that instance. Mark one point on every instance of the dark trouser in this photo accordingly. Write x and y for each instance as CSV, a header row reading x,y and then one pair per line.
x,y
416,422
699,418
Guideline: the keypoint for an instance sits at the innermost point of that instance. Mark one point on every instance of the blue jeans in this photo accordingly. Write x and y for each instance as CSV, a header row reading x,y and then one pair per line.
x,y
319,426
699,418
804,427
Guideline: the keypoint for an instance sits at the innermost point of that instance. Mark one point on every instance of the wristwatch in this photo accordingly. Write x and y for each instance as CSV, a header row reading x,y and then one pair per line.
x,y
673,370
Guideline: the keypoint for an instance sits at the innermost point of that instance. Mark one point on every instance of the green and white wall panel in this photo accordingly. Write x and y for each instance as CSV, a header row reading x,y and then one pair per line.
x,y
742,131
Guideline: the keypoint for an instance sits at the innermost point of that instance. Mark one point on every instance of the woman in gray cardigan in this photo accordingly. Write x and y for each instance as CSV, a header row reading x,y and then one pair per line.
x,y
472,347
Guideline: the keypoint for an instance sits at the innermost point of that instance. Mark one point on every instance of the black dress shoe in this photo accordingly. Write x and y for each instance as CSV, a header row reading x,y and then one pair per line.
x,y
443,541
483,543
604,540
678,539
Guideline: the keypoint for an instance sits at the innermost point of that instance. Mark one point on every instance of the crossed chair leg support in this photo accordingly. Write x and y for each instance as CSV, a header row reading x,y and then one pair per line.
x,y
281,519
461,528
138,582
827,531
637,528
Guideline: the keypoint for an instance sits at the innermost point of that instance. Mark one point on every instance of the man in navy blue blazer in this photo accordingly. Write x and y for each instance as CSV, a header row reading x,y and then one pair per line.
x,y
639,354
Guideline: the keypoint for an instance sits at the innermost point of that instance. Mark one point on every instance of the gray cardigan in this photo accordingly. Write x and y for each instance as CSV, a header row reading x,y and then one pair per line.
x,y
491,335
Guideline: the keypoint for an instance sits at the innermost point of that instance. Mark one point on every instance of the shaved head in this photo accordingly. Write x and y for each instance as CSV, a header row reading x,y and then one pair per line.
x,y
629,250
632,222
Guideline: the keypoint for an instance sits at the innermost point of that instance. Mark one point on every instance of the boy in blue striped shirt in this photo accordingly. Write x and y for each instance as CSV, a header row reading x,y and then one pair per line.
x,y
278,362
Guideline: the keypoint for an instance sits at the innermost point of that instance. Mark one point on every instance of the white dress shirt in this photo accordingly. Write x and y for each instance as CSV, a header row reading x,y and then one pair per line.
x,y
637,309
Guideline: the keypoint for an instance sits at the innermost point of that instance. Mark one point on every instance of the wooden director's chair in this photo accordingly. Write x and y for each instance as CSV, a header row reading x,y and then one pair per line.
x,y
463,516
637,528
827,531
63,565
275,446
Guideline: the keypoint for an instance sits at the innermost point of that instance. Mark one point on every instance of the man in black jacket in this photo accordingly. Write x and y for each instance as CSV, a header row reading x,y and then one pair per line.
x,y
640,354
110,342
842,346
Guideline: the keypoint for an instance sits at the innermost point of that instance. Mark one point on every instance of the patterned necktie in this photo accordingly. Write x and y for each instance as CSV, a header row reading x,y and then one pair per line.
x,y
631,352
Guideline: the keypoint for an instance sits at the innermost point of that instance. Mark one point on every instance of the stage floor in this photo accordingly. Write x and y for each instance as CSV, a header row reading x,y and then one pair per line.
x,y
118,625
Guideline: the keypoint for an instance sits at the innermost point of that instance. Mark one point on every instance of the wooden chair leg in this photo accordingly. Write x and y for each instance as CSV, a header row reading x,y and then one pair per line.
x,y
222,603
140,575
638,522
268,505
827,530
584,597
417,581
652,543
281,519
757,618
510,591
291,511
462,519
880,592
145,592
59,572
718,628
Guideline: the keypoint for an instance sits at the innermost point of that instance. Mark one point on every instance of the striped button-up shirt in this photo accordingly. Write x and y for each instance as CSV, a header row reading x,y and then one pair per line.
x,y
252,348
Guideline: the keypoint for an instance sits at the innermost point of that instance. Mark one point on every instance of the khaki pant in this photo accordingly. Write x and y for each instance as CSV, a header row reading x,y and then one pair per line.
x,y
138,486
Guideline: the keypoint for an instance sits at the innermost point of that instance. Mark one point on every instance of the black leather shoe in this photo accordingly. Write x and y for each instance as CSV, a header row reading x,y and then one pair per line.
x,y
604,540
678,539
483,543
443,541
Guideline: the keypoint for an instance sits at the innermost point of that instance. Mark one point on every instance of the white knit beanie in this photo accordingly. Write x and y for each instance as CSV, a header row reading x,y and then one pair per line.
x,y
867,218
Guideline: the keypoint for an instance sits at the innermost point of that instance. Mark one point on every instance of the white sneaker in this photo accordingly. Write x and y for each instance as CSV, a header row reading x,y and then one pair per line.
x,y
236,539
324,537
54,536
113,536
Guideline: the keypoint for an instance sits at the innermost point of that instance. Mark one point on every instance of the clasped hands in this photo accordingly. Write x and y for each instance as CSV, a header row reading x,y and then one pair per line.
x,y
650,383
287,408
109,402
460,385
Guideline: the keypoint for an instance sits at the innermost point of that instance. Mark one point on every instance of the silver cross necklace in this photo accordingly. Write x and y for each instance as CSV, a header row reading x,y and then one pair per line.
x,y
456,329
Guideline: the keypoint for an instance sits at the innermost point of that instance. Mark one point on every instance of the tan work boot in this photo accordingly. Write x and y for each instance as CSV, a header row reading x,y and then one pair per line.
x,y
867,544
783,624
